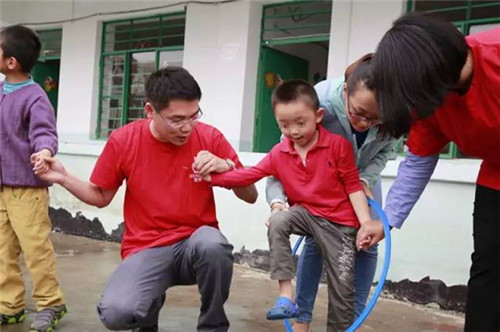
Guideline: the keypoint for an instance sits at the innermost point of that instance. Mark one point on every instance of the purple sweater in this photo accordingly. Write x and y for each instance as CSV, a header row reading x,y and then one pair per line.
x,y
27,125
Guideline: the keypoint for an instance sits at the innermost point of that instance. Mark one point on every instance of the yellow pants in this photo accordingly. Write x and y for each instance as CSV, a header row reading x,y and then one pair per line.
x,y
25,227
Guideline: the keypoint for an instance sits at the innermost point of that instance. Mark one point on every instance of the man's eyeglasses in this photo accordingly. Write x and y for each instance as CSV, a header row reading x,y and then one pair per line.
x,y
193,119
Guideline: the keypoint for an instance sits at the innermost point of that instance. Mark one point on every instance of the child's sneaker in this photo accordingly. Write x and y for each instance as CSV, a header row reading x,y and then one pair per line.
x,y
14,319
47,319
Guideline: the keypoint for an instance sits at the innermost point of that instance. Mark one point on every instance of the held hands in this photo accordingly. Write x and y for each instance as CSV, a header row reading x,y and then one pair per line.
x,y
370,233
206,163
47,168
39,165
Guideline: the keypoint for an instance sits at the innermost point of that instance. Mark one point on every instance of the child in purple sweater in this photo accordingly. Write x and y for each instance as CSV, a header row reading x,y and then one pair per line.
x,y
27,132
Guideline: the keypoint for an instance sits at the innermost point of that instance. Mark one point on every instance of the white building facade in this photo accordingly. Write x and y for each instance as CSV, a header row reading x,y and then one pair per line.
x,y
107,48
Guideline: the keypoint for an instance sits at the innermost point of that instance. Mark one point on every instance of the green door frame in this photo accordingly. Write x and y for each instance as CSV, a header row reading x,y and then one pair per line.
x,y
271,43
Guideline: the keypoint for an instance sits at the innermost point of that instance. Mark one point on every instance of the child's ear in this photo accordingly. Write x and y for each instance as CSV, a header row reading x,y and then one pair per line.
x,y
12,63
344,91
320,113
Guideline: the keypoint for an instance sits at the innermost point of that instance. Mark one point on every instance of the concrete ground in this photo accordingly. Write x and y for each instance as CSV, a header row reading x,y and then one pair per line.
x,y
84,266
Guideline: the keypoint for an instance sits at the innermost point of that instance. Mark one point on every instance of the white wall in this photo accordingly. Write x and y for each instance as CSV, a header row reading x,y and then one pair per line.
x,y
357,27
220,49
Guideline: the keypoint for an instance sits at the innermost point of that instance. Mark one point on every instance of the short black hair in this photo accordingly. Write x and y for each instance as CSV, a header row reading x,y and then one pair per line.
x,y
295,90
21,43
171,83
417,63
358,72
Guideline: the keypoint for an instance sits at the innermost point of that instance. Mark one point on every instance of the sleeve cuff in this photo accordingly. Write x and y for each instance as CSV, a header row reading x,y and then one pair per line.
x,y
366,182
394,221
276,200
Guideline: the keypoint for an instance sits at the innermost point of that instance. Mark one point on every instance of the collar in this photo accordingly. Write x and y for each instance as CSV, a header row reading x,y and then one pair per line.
x,y
324,140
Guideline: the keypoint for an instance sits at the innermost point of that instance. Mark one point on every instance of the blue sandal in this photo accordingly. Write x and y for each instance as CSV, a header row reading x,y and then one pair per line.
x,y
283,308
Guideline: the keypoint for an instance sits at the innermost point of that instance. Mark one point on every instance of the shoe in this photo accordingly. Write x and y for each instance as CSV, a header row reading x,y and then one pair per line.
x,y
284,308
14,319
153,328
47,319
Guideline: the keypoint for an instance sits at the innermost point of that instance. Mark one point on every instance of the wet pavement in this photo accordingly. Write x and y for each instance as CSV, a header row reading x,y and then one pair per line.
x,y
84,266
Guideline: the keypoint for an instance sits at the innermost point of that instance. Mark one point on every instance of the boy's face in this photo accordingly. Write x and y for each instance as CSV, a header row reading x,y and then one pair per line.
x,y
298,121
6,64
175,123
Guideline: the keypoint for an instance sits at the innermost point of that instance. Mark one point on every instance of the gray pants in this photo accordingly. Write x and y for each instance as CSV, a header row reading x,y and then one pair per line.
x,y
135,292
336,244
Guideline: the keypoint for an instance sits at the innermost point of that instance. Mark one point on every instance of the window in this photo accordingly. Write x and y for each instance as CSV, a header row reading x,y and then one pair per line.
x,y
470,17
131,50
51,44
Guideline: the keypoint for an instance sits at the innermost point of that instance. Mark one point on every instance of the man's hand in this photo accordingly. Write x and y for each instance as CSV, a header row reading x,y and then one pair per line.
x,y
39,165
370,233
206,163
366,190
55,173
277,207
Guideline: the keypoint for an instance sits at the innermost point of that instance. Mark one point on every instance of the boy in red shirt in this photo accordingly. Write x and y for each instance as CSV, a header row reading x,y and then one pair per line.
x,y
320,178
171,231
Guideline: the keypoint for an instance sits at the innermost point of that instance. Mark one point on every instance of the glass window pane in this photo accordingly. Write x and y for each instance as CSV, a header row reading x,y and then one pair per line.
x,y
142,65
171,58
111,114
145,33
297,20
485,9
51,43
112,94
113,79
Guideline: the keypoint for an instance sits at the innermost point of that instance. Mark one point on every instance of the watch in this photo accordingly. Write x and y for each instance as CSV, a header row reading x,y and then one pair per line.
x,y
230,164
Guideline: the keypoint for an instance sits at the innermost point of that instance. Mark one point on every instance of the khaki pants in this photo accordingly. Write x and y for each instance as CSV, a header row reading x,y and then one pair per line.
x,y
336,244
25,227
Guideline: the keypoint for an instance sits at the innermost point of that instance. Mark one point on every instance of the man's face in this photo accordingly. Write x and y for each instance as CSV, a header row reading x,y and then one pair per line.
x,y
175,123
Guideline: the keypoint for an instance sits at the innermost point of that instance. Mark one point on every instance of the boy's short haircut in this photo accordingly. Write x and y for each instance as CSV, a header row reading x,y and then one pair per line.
x,y
296,90
171,83
21,43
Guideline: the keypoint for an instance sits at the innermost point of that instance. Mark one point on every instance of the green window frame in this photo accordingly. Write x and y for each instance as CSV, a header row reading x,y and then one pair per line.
x,y
131,49
465,14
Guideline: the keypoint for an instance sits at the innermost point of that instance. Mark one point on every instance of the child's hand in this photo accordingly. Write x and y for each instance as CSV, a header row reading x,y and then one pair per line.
x,y
206,163
56,172
207,178
40,166
370,233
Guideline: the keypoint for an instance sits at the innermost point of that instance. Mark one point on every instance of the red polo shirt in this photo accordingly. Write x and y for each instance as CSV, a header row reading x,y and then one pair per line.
x,y
472,120
164,202
322,186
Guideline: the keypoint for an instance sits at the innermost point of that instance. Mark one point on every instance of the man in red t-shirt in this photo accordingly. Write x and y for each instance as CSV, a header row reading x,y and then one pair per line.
x,y
452,84
171,231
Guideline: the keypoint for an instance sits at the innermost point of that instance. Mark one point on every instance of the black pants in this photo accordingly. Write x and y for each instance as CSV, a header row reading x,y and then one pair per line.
x,y
483,301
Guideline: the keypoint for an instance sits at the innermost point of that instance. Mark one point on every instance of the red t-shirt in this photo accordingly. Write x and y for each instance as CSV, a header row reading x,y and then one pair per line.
x,y
164,202
472,121
322,186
